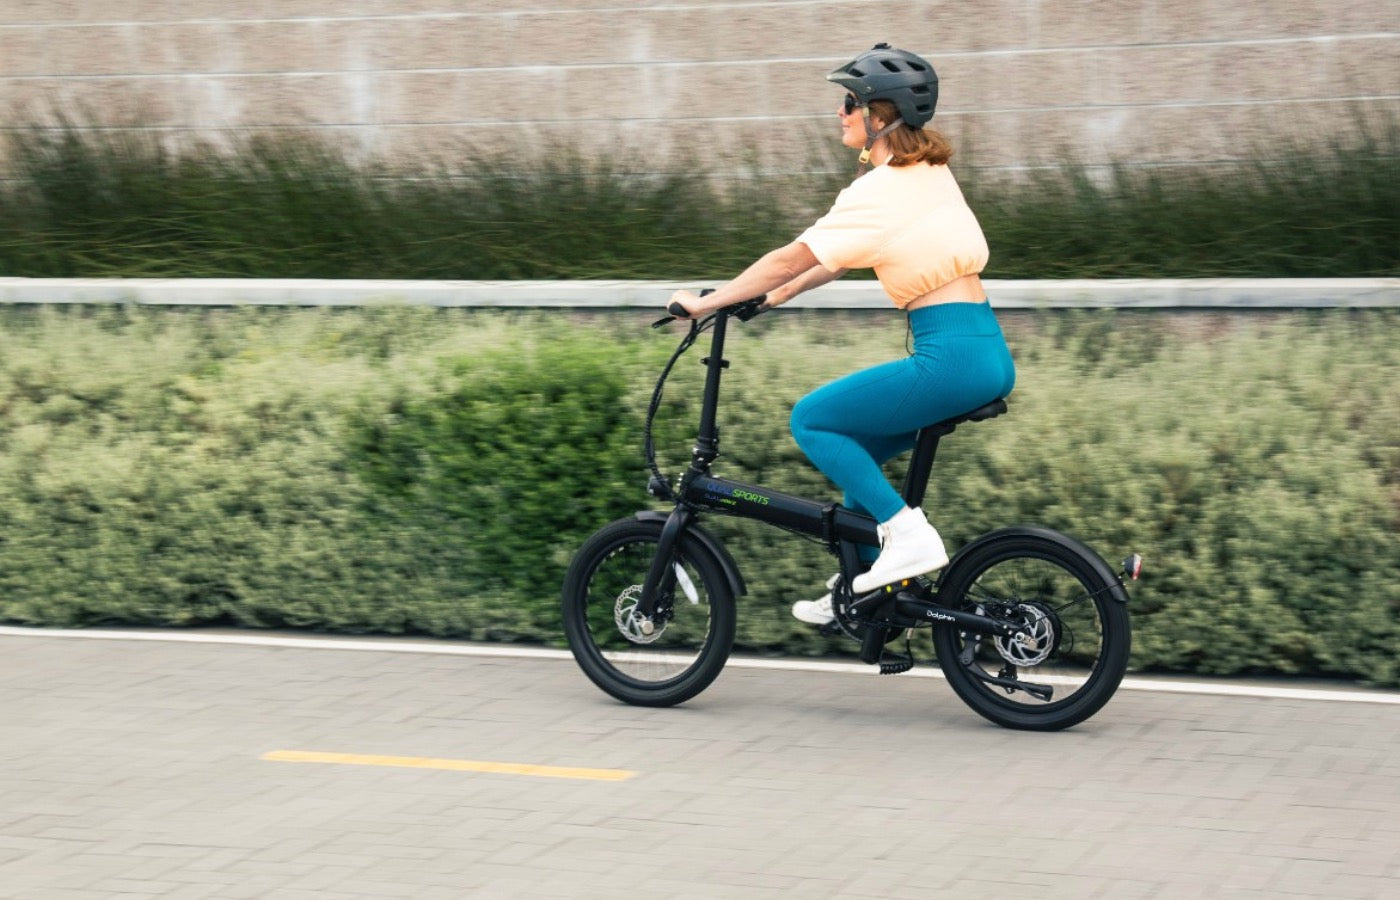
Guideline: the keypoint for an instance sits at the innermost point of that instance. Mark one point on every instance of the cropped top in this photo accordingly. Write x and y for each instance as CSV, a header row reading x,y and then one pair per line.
x,y
910,224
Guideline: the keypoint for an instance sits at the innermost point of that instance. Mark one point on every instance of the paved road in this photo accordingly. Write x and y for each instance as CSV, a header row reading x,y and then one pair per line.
x,y
140,769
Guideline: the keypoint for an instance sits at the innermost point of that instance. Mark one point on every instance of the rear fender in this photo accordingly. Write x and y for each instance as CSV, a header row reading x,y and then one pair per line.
x,y
1119,594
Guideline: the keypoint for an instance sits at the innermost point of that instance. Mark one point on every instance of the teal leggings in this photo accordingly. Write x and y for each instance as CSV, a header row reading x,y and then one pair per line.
x,y
853,425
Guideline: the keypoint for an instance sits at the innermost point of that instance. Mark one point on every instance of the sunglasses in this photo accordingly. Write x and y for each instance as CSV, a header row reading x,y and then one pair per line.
x,y
851,104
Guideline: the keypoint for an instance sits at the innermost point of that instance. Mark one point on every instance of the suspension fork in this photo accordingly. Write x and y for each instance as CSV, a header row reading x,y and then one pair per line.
x,y
661,576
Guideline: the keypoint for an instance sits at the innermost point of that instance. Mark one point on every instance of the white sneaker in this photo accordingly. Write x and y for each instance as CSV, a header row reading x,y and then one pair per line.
x,y
817,612
909,546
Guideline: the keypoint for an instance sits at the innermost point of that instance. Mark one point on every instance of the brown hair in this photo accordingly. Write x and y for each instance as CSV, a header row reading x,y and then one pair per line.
x,y
910,145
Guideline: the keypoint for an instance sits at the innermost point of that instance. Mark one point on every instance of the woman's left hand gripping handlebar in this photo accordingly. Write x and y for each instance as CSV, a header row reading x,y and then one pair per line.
x,y
690,305
681,304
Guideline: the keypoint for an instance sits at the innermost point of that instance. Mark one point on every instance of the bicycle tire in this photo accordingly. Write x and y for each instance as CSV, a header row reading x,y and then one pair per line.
x,y
687,651
1074,598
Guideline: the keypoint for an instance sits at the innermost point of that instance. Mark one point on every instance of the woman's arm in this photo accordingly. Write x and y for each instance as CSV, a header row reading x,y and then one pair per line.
x,y
772,271
814,277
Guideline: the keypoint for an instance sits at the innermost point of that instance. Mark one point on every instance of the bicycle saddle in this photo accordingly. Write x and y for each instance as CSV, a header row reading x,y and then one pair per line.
x,y
988,411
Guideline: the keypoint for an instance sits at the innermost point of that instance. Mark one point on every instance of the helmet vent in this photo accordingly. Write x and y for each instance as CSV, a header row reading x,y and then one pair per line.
x,y
889,65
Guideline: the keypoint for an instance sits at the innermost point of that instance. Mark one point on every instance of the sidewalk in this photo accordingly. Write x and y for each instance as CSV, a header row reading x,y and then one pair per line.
x,y
144,767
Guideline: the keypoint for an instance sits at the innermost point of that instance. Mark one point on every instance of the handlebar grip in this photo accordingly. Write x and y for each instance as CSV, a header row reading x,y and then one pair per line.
x,y
680,312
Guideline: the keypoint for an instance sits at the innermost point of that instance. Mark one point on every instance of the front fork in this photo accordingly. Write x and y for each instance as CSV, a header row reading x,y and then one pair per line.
x,y
661,577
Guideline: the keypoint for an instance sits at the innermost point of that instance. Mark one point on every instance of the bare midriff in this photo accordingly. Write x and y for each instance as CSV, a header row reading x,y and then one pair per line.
x,y
967,289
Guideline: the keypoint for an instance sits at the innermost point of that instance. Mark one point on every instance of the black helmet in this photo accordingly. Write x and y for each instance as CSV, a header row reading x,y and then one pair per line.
x,y
884,73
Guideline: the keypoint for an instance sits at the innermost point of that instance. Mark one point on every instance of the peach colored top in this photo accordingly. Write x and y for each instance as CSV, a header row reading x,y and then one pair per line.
x,y
910,224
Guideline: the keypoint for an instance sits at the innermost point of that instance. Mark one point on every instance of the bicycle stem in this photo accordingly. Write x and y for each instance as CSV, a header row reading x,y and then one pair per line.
x,y
707,441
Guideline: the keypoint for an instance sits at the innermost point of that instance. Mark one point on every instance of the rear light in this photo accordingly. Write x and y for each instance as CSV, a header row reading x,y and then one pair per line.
x,y
1132,566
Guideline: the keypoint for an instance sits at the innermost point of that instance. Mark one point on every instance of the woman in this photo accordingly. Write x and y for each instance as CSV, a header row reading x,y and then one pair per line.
x,y
906,219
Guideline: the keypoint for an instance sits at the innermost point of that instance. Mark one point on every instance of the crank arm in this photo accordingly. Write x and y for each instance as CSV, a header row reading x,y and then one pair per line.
x,y
1038,691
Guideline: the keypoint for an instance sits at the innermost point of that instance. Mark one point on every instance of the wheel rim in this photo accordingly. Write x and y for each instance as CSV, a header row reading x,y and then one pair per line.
x,y
1064,610
683,628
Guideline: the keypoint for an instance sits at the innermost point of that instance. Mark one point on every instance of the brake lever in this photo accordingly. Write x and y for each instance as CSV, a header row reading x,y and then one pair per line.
x,y
676,312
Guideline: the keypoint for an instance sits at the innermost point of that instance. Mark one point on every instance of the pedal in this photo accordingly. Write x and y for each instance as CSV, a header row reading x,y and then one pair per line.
x,y
895,665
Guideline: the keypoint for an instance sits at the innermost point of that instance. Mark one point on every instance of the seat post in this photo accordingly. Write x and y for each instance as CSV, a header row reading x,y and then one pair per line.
x,y
921,464
926,446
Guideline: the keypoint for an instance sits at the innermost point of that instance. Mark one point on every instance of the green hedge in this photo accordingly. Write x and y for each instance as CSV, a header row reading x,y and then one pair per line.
x,y
413,471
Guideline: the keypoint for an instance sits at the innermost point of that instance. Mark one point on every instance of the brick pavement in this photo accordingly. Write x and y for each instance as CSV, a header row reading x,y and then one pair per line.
x,y
134,770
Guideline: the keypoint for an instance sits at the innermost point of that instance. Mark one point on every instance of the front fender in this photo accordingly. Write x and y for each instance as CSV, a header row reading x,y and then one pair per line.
x,y
711,544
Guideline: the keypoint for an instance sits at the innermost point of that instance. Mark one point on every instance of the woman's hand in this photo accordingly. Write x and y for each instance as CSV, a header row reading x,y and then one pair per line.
x,y
688,299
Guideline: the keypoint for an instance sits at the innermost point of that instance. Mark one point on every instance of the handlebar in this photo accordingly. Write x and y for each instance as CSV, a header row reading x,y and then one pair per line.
x,y
744,310
747,309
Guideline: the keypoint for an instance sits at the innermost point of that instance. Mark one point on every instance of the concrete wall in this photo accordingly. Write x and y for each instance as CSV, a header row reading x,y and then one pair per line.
x,y
1120,293
1023,81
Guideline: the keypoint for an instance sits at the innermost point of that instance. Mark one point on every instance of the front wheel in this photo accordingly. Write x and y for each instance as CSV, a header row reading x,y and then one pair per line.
x,y
1075,632
694,621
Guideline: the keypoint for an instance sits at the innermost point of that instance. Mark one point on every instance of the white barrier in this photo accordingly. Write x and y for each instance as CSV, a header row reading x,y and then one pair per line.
x,y
1128,293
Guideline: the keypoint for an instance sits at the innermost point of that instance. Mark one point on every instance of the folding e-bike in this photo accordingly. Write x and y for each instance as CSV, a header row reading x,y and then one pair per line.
x,y
1030,626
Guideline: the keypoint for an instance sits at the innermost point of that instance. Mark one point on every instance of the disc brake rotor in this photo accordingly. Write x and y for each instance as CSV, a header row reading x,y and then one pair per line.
x,y
629,624
1036,640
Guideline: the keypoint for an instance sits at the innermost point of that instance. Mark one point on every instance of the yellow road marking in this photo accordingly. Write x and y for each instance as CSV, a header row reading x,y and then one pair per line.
x,y
451,765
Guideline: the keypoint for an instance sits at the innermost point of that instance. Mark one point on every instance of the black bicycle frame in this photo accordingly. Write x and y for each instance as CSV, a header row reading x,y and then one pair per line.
x,y
842,529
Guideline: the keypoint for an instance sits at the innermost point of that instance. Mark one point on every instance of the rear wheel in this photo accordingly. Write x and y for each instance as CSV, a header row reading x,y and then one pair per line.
x,y
1076,633
693,627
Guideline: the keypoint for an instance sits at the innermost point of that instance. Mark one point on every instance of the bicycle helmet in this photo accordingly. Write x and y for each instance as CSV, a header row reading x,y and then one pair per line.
x,y
885,73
